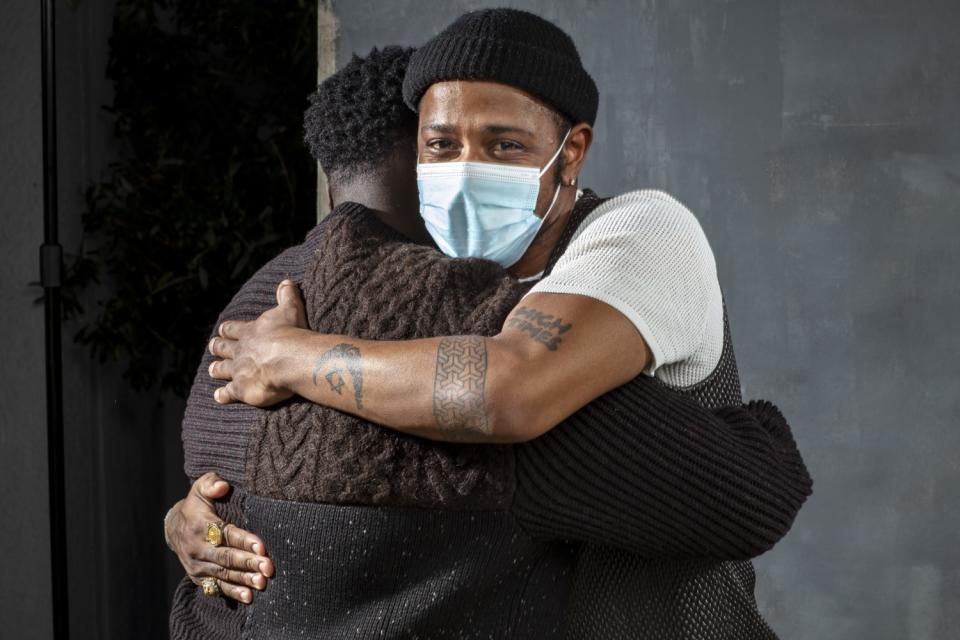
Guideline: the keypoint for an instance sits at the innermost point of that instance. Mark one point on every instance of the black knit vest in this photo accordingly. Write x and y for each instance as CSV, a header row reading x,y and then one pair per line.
x,y
617,595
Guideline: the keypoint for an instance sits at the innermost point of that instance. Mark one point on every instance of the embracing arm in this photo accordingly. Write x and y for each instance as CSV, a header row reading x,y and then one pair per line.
x,y
555,353
661,476
665,480
640,468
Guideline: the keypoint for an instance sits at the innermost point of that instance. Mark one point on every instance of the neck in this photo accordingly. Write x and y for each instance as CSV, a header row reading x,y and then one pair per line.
x,y
369,193
392,209
534,260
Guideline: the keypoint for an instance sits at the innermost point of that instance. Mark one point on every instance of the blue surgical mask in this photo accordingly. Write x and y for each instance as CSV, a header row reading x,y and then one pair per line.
x,y
482,209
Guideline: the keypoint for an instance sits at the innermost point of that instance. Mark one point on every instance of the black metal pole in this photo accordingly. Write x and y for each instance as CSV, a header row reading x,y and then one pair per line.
x,y
51,269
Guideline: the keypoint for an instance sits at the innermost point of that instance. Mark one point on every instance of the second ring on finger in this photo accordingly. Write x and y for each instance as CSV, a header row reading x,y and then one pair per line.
x,y
237,592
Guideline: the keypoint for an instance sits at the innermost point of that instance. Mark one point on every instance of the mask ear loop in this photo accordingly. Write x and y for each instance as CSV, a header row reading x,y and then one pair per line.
x,y
556,193
556,154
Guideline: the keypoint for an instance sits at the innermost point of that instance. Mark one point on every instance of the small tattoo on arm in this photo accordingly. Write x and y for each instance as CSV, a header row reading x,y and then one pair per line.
x,y
458,400
332,364
542,327
335,380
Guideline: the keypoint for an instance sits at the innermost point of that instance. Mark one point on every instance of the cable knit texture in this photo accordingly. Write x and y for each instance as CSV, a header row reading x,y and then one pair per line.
x,y
370,283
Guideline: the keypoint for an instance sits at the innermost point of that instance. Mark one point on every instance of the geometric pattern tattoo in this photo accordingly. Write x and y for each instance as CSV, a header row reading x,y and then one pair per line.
x,y
458,400
347,356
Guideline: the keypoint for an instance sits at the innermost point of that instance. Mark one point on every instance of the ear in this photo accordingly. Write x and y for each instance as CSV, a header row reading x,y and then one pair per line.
x,y
575,152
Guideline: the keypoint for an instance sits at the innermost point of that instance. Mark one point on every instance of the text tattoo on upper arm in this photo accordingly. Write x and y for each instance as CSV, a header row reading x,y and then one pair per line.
x,y
545,328
458,400
331,365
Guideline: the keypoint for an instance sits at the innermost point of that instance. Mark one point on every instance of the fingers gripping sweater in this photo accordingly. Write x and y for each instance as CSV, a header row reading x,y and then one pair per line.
x,y
613,482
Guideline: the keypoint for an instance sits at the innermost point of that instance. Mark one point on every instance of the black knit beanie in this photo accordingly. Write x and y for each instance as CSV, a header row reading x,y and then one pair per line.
x,y
512,47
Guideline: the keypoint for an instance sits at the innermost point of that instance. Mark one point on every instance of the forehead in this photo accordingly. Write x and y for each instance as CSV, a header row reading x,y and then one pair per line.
x,y
475,103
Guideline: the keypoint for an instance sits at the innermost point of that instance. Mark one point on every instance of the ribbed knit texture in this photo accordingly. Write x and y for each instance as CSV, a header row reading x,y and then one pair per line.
x,y
653,474
215,437
666,591
195,616
641,468
346,572
512,47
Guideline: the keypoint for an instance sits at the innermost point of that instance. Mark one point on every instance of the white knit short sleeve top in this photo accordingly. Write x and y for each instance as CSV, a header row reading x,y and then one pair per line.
x,y
646,255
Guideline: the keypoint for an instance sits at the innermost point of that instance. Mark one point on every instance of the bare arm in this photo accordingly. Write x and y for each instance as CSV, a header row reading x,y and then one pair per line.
x,y
597,480
554,354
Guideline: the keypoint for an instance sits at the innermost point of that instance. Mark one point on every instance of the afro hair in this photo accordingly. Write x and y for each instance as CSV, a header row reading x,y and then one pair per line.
x,y
357,116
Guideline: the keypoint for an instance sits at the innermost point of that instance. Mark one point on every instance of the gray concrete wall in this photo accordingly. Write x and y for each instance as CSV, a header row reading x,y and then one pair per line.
x,y
818,144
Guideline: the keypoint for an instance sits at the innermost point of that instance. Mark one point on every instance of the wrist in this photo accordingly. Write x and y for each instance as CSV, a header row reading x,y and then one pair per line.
x,y
284,369
166,523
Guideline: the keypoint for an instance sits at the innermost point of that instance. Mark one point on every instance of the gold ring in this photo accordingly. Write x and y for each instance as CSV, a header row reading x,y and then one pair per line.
x,y
210,587
215,533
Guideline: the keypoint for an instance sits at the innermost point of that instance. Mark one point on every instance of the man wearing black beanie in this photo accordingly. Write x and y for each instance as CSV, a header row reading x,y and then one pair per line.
x,y
621,287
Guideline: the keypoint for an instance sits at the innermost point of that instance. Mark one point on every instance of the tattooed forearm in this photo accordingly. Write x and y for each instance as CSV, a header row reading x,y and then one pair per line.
x,y
331,365
542,327
458,400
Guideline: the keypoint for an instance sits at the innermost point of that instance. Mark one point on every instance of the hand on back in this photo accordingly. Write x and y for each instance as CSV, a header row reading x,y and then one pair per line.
x,y
240,563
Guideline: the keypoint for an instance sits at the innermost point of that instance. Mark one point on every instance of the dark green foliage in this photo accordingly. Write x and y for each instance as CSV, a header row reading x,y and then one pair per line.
x,y
216,179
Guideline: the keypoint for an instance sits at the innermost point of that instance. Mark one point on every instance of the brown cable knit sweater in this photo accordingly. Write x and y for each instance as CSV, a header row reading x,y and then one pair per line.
x,y
367,283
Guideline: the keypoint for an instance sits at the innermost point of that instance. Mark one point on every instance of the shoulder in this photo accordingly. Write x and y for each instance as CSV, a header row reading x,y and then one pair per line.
x,y
645,254
644,226
258,293
649,216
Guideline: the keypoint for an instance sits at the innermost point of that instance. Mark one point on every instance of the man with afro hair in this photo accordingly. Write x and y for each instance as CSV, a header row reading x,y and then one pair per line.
x,y
364,137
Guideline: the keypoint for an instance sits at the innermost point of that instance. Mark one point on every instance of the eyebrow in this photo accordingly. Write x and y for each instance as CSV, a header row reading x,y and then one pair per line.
x,y
490,129
439,126
496,129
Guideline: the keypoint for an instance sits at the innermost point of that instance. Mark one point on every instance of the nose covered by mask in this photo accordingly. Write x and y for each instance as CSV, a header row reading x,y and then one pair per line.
x,y
482,209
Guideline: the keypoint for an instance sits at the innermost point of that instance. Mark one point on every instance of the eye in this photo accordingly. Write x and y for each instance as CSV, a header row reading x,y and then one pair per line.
x,y
507,146
439,144
436,149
